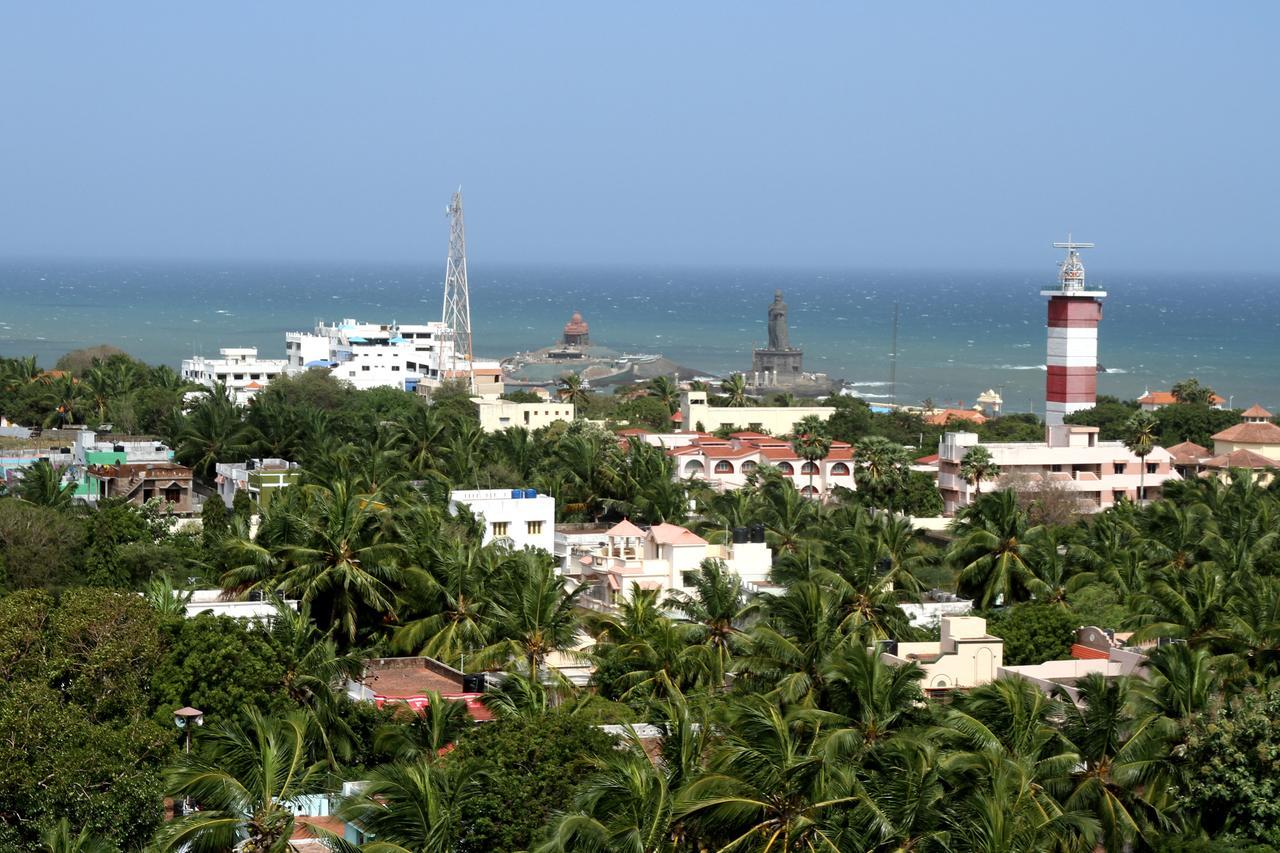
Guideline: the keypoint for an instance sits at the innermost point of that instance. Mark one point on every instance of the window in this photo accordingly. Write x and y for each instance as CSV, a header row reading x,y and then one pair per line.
x,y
749,466
839,470
533,528
693,466
364,367
1151,467
809,492
810,468
499,528
785,467
724,467
1118,468
395,367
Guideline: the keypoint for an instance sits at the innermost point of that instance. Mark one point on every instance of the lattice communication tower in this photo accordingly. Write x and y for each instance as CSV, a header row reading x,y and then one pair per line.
x,y
457,298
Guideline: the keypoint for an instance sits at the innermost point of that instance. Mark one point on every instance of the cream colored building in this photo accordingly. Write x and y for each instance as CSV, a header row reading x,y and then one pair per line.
x,y
1255,433
497,415
966,656
658,558
697,414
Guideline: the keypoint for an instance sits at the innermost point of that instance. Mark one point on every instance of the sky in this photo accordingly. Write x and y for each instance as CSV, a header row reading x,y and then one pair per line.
x,y
901,135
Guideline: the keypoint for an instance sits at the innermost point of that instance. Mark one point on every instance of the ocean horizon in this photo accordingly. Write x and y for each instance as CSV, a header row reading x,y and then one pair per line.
x,y
959,332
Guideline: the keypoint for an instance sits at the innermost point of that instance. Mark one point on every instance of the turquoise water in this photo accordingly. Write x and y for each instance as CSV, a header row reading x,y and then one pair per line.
x,y
959,333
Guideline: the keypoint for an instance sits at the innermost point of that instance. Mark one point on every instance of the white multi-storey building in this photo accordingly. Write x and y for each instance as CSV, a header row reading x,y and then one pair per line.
x,y
523,517
238,369
381,355
659,557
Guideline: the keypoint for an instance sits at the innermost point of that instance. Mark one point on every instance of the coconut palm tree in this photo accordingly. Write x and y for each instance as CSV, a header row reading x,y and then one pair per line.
x,y
779,781
812,448
789,652
571,390
976,466
242,778
412,808
340,557
1140,438
735,388
454,599
715,606
666,391
873,696
625,806
214,432
60,839
46,485
991,550
534,615
62,398
166,599
427,733
422,436
901,800
1120,761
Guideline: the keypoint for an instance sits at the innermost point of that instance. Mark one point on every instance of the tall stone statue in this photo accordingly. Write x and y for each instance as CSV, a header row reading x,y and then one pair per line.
x,y
778,323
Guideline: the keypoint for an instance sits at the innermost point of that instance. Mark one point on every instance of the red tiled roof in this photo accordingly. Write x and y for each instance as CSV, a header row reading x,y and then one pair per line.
x,y
624,528
674,534
1166,398
1250,433
635,431
1080,652
677,418
1187,453
1241,459
942,416
1255,411
931,459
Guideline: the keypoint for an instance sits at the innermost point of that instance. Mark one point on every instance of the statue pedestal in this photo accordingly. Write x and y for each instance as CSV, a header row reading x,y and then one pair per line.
x,y
777,367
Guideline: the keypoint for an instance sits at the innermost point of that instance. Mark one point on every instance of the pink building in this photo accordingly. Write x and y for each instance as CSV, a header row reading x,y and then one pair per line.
x,y
726,463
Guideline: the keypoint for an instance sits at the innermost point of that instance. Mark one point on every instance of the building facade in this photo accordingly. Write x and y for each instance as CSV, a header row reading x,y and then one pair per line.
x,y
139,482
728,463
697,414
258,477
238,369
386,355
521,517
966,655
1098,472
497,415
658,557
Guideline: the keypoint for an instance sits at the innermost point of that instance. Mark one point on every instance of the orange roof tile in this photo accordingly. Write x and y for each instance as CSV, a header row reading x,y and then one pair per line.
x,y
624,528
1166,398
1187,453
1263,432
674,534
1241,459
1080,652
1255,411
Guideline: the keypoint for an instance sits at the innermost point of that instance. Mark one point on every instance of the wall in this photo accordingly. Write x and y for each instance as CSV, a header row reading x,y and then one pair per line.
x,y
497,415
498,506
777,420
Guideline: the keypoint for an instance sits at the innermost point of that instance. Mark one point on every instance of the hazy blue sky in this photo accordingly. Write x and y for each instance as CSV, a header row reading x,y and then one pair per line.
x,y
904,134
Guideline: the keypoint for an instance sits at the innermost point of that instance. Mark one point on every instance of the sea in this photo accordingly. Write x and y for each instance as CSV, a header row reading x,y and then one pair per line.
x,y
958,333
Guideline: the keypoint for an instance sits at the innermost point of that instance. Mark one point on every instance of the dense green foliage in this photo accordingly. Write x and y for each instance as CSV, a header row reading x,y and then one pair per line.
x,y
782,726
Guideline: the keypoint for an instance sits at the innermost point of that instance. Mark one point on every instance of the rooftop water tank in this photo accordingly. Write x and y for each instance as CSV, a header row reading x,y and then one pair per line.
x,y
517,493
530,493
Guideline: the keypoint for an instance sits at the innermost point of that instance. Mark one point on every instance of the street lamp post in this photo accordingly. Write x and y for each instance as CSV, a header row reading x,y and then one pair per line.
x,y
187,719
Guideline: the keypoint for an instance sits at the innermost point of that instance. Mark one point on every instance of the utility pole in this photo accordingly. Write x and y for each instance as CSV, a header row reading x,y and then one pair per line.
x,y
457,297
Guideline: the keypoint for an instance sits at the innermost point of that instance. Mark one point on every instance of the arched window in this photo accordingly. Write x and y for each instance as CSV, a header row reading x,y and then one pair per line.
x,y
809,492
693,466
810,468
724,466
785,467
749,466
839,470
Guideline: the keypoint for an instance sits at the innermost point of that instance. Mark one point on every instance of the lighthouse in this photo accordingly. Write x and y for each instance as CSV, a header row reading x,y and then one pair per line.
x,y
1074,312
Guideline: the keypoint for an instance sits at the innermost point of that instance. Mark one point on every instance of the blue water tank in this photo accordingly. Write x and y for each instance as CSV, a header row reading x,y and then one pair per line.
x,y
517,493
530,493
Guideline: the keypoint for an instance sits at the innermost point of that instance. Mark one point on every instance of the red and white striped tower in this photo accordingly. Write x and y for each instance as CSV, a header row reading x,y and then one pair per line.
x,y
1074,312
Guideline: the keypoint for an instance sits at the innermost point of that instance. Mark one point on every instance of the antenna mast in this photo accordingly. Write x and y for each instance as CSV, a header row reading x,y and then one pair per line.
x,y
457,297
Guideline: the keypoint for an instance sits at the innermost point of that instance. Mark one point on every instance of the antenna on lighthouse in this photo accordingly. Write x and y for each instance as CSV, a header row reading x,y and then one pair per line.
x,y
1071,276
457,297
